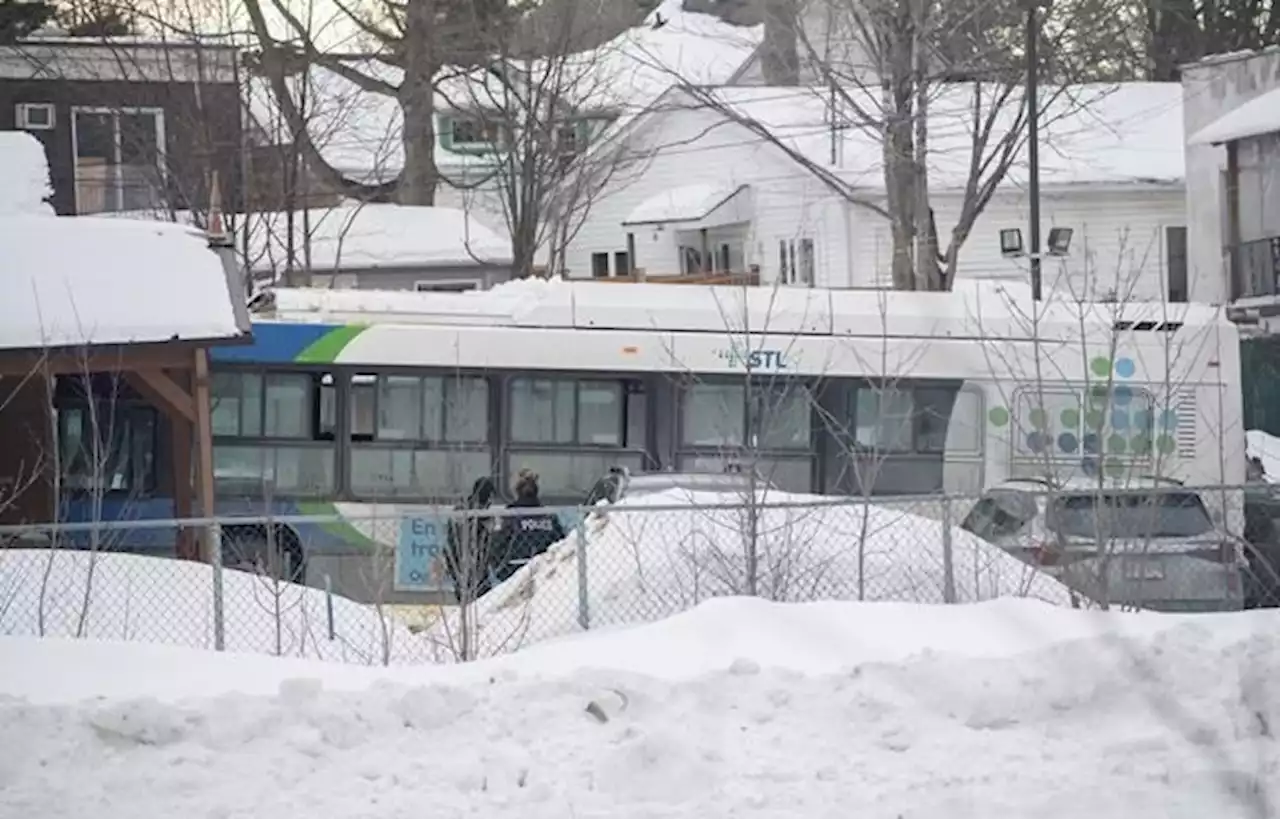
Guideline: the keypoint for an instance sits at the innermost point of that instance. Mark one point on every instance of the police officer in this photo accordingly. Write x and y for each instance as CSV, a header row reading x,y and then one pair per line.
x,y
525,534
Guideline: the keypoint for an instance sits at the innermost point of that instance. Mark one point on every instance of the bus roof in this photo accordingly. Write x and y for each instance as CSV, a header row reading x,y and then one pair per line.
x,y
987,309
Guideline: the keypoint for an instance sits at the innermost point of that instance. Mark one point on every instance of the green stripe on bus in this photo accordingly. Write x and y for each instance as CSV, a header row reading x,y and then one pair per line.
x,y
340,528
325,349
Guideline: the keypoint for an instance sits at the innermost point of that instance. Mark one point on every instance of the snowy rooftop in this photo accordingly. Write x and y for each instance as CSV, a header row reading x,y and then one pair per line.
x,y
359,236
25,171
73,281
996,309
358,132
1091,134
1258,116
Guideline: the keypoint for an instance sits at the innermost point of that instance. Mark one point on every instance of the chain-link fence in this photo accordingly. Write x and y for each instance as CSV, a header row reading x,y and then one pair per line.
x,y
433,584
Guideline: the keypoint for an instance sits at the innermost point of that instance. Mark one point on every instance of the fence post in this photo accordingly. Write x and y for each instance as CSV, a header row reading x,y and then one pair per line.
x,y
948,553
584,603
215,562
328,604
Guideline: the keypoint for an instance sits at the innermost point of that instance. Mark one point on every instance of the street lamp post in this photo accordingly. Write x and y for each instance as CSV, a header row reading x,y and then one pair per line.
x,y
1033,142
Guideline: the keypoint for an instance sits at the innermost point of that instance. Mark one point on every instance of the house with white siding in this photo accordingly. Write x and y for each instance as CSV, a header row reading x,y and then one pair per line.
x,y
360,133
1232,104
803,206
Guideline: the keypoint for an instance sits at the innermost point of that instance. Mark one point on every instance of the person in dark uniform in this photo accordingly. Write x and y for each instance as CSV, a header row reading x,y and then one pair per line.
x,y
526,534
467,556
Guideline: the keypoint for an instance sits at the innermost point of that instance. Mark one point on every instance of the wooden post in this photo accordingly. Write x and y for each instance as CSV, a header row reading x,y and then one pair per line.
x,y
181,441
204,446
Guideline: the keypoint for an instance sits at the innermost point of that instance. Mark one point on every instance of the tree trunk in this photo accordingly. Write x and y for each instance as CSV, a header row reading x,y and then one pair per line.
x,y
1174,37
779,53
419,177
900,169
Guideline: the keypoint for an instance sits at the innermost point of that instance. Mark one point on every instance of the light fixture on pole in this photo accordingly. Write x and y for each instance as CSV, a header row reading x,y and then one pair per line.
x,y
1059,245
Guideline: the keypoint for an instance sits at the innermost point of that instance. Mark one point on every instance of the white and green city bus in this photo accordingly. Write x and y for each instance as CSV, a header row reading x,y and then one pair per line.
x,y
375,408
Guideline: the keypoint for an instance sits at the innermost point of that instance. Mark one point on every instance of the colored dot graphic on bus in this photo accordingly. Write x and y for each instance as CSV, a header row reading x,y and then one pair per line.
x,y
1111,421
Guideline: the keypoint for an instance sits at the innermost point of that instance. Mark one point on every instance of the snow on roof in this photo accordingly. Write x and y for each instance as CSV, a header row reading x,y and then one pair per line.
x,y
683,204
356,236
1090,134
827,552
72,281
359,132
1258,116
999,309
24,167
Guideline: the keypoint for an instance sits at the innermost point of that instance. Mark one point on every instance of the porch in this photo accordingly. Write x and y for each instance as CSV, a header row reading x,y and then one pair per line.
x,y
694,232
105,327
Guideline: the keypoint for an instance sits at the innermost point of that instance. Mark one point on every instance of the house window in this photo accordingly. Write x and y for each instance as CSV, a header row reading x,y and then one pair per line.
x,y
806,272
599,265
1175,252
470,134
119,158
443,287
796,264
570,138
723,262
621,263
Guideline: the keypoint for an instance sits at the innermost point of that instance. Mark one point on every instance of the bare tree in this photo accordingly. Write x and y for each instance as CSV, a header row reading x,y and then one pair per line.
x,y
937,89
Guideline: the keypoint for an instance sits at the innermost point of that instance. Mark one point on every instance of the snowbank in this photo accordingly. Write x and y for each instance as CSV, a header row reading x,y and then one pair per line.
x,y
25,171
644,565
1265,448
156,600
1010,708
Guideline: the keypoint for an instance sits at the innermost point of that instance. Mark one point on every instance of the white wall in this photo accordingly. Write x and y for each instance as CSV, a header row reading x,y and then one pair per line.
x,y
1118,243
1210,89
693,147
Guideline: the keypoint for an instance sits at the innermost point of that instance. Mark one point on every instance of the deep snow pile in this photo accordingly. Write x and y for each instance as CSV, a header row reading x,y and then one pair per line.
x,y
108,596
738,708
644,564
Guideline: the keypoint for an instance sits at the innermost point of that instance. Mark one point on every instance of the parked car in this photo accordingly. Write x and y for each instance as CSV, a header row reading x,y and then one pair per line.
x,y
1149,544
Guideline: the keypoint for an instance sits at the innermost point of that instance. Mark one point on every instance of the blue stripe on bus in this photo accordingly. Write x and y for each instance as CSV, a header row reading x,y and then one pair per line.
x,y
273,343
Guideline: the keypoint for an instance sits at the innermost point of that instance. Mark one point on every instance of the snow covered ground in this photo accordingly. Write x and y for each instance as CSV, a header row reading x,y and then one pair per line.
x,y
741,708
644,564
64,593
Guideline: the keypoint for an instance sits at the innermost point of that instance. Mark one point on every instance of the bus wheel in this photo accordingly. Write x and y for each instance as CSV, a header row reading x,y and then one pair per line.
x,y
248,549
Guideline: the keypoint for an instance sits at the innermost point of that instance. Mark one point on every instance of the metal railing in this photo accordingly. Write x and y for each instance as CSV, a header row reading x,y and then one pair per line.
x,y
447,585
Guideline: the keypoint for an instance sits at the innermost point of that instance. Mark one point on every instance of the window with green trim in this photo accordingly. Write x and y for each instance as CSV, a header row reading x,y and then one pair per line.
x,y
469,134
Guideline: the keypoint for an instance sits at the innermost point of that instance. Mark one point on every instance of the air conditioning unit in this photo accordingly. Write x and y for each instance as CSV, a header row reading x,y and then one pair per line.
x,y
35,116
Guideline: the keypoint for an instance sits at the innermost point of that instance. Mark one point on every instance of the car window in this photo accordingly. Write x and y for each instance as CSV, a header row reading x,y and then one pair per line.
x,y
1130,515
1002,513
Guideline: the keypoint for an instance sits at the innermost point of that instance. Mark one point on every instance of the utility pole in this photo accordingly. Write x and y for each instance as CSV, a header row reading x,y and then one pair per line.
x,y
1033,142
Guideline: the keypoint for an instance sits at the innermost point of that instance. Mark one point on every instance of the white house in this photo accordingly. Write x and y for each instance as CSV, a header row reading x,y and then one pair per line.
x,y
1232,105
713,194
359,133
